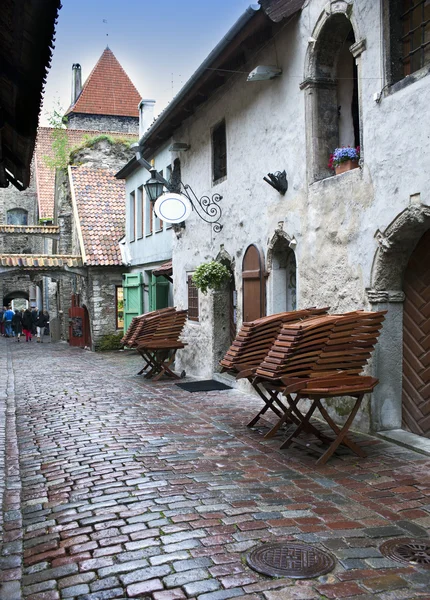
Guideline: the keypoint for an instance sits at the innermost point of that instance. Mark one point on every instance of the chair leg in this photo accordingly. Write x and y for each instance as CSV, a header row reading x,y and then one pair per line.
x,y
268,403
341,433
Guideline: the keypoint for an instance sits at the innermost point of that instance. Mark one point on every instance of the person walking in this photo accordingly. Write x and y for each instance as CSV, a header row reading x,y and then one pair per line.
x,y
7,319
17,324
41,323
27,324
34,315
2,311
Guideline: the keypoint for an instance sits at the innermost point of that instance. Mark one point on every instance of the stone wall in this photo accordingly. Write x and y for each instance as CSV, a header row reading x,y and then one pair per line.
x,y
10,198
339,221
103,123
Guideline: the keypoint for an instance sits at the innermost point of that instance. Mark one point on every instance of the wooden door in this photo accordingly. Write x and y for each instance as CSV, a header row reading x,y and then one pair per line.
x,y
158,293
416,341
133,297
253,284
79,327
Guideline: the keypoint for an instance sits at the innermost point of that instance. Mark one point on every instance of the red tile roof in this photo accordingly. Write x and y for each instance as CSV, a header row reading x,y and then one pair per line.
x,y
39,229
100,203
40,260
45,176
108,90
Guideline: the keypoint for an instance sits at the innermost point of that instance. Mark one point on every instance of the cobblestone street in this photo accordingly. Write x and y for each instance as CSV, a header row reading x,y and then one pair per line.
x,y
119,488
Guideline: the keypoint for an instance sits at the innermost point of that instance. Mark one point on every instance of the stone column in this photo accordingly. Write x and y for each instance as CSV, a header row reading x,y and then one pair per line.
x,y
387,364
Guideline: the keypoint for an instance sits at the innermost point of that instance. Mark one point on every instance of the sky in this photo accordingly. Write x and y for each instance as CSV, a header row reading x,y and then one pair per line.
x,y
159,44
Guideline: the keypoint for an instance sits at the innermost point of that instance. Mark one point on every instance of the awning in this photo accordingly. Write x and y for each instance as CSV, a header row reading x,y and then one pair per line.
x,y
164,270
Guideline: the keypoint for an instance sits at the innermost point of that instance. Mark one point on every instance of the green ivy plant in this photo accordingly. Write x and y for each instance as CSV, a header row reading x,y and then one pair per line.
x,y
60,141
210,276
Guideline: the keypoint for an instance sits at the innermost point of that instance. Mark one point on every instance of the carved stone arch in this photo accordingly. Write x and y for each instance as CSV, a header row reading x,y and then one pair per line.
x,y
332,84
279,236
335,8
282,271
396,244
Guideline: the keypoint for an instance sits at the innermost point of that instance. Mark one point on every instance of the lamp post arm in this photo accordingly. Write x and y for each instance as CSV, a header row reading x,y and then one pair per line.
x,y
147,165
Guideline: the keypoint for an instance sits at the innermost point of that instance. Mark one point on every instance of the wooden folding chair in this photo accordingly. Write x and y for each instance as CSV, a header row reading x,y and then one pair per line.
x,y
250,347
160,341
326,363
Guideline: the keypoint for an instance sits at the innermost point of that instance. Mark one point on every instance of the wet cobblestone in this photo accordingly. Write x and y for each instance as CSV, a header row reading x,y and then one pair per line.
x,y
114,487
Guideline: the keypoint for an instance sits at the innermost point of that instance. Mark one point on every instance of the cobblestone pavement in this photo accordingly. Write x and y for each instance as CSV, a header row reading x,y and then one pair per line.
x,y
119,488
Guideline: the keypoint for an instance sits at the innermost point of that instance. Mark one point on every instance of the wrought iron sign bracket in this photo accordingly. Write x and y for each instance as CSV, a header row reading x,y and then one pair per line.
x,y
278,181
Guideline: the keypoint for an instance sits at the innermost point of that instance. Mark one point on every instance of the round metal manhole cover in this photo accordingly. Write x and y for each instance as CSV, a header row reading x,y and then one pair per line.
x,y
298,561
408,551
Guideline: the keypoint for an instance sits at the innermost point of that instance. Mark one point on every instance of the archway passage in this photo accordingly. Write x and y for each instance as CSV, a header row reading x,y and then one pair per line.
x,y
283,277
13,295
416,341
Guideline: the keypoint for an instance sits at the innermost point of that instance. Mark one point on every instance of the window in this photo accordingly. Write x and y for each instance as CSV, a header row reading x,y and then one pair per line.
x,y
415,19
17,216
158,223
119,306
169,172
219,152
148,216
132,223
139,213
193,300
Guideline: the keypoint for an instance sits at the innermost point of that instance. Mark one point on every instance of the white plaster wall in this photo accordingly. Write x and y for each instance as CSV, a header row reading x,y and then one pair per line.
x,y
156,247
334,220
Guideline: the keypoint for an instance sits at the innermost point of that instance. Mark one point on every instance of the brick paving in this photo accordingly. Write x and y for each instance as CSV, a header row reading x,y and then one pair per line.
x,y
118,488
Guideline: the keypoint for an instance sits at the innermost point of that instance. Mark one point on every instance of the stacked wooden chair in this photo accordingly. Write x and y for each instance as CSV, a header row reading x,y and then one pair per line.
x,y
251,346
156,336
322,357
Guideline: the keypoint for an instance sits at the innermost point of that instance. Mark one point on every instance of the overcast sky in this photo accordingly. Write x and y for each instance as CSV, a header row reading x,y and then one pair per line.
x,y
159,44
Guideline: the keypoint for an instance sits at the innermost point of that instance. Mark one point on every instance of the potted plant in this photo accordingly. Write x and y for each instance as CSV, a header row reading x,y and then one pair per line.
x,y
210,276
344,159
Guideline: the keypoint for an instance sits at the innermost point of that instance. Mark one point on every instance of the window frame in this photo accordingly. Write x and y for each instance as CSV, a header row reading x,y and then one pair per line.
x,y
149,217
219,153
193,300
132,224
140,218
17,211
117,321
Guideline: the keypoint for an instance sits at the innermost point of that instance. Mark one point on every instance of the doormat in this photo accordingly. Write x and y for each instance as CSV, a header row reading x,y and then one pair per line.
x,y
207,385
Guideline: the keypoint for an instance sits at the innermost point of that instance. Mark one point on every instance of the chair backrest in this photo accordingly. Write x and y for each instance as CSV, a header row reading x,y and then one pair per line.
x,y
323,346
163,328
255,338
143,323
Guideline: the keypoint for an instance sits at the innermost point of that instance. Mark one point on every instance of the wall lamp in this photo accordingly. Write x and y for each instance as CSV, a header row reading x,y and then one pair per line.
x,y
278,181
180,205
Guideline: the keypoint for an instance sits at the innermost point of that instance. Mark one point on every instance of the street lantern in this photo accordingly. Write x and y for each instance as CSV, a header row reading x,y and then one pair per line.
x,y
153,187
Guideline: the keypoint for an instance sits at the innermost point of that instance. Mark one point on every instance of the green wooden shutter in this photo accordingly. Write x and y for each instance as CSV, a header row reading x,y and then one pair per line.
x,y
133,297
158,293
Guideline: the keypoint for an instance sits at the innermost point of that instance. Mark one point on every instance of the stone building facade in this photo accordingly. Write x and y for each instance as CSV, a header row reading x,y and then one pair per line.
x,y
344,241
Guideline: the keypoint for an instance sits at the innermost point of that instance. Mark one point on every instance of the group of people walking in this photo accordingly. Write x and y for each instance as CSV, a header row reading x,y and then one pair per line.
x,y
27,322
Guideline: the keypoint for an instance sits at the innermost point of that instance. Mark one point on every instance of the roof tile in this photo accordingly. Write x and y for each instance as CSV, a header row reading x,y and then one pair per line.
x,y
108,90
100,200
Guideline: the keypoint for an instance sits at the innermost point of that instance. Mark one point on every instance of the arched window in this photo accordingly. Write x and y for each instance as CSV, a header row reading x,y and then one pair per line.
x,y
333,92
17,216
254,284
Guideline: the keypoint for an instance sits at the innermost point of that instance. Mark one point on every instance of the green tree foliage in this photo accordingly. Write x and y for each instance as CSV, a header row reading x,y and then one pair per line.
x,y
60,158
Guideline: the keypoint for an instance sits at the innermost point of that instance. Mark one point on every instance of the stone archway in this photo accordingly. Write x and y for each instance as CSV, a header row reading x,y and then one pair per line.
x,y
282,270
396,245
332,84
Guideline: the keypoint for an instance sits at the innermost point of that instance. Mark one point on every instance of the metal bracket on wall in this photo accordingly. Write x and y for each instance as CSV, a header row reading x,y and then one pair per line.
x,y
278,181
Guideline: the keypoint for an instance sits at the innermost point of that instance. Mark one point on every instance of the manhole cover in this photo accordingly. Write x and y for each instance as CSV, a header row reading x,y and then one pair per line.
x,y
412,552
298,561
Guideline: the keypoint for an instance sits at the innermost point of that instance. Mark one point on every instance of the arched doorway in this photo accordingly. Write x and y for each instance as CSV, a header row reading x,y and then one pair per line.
x,y
19,297
281,262
396,277
416,341
253,284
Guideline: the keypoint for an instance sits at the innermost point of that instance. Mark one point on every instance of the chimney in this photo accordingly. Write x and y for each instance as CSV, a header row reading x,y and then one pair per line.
x,y
76,82
146,115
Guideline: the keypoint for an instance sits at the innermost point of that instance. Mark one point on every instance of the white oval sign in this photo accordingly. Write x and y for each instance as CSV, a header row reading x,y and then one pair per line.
x,y
173,208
